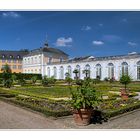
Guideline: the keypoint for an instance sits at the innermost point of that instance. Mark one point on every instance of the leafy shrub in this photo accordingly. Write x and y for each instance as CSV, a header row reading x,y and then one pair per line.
x,y
7,76
79,82
85,96
106,79
68,80
21,79
125,80
33,79
26,76
46,81
14,77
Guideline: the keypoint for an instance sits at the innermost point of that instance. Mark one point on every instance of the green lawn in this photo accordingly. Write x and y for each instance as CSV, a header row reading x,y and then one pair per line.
x,y
40,96
43,92
61,91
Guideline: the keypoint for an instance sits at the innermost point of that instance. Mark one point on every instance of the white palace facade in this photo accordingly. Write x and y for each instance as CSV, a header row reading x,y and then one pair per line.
x,y
54,62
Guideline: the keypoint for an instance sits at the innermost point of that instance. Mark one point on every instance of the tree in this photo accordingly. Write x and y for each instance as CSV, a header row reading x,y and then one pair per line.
x,y
21,79
68,79
7,76
86,72
47,81
125,80
14,78
76,73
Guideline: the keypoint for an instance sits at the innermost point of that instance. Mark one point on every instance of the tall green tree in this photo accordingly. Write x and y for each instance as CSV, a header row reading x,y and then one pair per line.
x,y
7,76
125,80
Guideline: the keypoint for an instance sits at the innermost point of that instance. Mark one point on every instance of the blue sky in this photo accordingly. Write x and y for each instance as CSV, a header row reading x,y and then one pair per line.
x,y
77,33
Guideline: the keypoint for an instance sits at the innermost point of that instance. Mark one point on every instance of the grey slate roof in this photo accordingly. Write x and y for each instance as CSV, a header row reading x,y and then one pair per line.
x,y
6,54
91,58
47,49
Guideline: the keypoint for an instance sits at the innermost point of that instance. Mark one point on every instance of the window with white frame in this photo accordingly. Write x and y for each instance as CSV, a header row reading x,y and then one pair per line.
x,y
55,72
61,72
87,70
98,71
124,68
70,71
79,71
138,70
110,70
48,71
50,60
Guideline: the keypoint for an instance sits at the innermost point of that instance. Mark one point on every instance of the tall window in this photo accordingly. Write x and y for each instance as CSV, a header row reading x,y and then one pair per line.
x,y
70,71
48,71
50,60
138,70
110,70
61,59
55,72
87,70
61,72
79,72
124,68
98,71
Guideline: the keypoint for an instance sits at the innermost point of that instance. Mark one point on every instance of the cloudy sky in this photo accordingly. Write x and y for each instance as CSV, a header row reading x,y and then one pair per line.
x,y
76,33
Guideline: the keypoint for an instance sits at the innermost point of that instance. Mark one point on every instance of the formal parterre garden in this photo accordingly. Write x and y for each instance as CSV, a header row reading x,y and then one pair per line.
x,y
53,97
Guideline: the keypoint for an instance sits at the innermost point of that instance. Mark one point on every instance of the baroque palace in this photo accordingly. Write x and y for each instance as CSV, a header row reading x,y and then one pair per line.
x,y
54,62
13,59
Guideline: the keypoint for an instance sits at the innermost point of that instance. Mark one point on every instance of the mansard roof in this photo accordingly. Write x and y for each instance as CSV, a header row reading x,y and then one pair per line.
x,y
47,49
6,54
92,58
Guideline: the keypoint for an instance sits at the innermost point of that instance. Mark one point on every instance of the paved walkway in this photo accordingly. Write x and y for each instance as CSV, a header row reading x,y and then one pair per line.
x,y
13,117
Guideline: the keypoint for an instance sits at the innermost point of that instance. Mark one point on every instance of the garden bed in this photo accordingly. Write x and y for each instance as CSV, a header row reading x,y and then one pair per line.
x,y
42,99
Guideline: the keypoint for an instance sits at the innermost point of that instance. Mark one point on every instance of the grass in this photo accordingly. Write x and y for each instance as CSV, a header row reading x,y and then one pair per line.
x,y
62,91
43,92
40,94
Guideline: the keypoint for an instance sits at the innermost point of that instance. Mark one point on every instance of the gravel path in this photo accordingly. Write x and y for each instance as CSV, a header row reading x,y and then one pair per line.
x,y
13,117
18,118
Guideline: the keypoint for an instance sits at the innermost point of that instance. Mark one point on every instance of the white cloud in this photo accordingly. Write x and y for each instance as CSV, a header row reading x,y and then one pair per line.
x,y
63,42
97,42
86,28
10,14
100,24
132,43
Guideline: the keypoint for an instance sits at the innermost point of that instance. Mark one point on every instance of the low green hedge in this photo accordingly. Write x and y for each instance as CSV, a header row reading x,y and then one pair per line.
x,y
26,76
45,111
7,95
118,111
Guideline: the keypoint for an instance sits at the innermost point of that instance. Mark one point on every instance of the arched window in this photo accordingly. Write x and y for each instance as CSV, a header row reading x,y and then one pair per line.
x,y
124,68
61,72
87,70
48,71
110,70
55,72
70,70
98,71
138,70
79,71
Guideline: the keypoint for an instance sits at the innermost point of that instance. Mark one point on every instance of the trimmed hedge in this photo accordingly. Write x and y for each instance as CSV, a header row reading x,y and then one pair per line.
x,y
121,110
45,111
25,76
